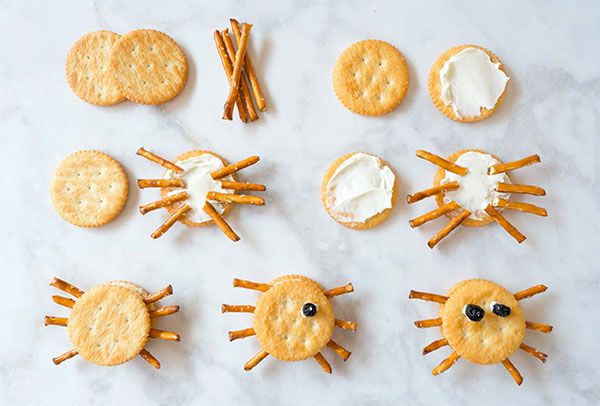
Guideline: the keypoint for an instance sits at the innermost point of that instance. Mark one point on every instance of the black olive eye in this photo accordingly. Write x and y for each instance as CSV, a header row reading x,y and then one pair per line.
x,y
309,309
501,310
474,312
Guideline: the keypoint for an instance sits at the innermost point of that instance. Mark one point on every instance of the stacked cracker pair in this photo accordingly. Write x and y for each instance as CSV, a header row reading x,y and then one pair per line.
x,y
144,66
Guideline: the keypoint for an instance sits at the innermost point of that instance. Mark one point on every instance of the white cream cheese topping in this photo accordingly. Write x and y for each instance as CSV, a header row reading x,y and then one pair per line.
x,y
198,182
361,187
477,189
470,81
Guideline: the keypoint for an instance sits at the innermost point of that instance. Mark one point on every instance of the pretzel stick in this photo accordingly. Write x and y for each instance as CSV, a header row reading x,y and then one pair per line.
x,y
220,221
522,189
427,296
433,214
146,183
446,364
510,166
346,325
237,72
255,360
514,372
149,358
230,198
66,287
442,163
63,301
164,311
55,321
533,352
499,218
435,346
155,297
228,71
542,328
341,351
61,358
234,335
225,308
164,227
161,161
415,197
452,224
340,290
523,207
225,184
232,168
529,292
246,97
323,362
428,323
258,96
240,283
167,201
164,335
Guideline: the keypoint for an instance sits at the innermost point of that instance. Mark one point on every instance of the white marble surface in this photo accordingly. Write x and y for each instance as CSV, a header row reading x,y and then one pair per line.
x,y
552,107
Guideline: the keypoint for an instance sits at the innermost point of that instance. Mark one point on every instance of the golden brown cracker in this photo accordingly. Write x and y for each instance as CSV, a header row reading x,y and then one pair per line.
x,y
150,67
87,69
371,222
89,188
281,328
109,325
435,87
371,77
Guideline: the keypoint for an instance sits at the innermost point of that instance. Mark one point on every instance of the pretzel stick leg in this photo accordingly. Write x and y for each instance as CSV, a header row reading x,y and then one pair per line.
x,y
220,222
533,352
448,228
164,335
149,358
225,184
523,207
510,229
245,95
225,308
255,360
433,214
235,335
161,161
346,325
430,297
341,351
240,283
55,321
155,297
435,346
66,287
514,372
428,323
225,61
164,227
63,301
232,168
237,72
529,292
446,364
167,201
258,96
146,183
230,198
542,328
323,362
509,166
522,189
340,290
415,197
67,355
164,311
442,163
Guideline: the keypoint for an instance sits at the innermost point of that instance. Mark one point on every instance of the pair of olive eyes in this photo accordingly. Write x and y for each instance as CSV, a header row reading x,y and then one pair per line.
x,y
476,313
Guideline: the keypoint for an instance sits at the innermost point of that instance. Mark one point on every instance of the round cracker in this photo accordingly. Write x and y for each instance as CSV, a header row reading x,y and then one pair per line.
x,y
149,66
435,86
494,338
371,222
281,328
371,77
89,188
109,325
87,69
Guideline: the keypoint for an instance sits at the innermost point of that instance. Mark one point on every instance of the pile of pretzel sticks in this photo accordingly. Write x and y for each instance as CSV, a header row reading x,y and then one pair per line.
x,y
239,70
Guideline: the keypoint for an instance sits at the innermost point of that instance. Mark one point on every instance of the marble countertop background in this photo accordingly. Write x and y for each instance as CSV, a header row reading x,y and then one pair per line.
x,y
552,107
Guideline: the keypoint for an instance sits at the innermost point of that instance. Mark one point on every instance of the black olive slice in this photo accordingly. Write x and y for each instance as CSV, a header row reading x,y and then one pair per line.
x,y
309,309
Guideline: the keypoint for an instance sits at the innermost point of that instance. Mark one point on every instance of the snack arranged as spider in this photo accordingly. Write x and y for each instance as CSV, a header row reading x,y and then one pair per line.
x,y
198,189
472,187
483,323
110,324
293,320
